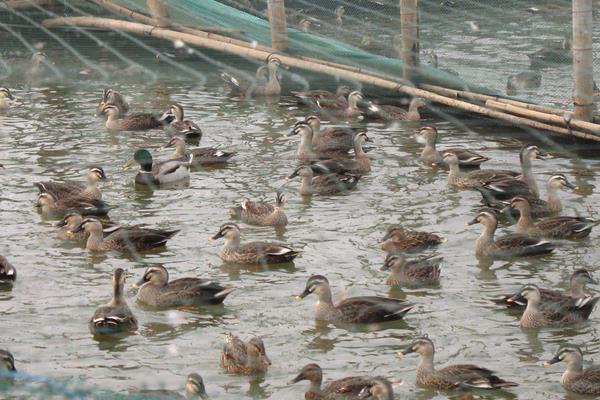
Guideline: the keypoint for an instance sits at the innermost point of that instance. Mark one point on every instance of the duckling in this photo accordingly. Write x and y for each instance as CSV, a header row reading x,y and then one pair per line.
x,y
465,376
523,81
512,245
345,388
179,125
134,122
379,389
7,361
425,271
393,113
262,213
156,290
194,388
244,358
50,205
324,184
575,378
363,309
124,239
251,252
552,55
397,239
242,86
72,220
339,138
159,173
431,155
115,316
553,227
8,273
271,87
61,190
5,94
545,312
115,98
324,97
473,179
200,156
361,164
349,110
577,284
307,152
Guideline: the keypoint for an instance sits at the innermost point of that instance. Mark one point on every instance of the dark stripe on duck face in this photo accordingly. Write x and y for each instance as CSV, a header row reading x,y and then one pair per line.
x,y
7,360
7,93
99,172
563,180
300,127
224,229
83,224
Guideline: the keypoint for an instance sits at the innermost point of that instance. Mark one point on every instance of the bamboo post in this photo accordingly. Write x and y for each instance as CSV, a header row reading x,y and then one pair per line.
x,y
278,23
159,10
583,98
409,31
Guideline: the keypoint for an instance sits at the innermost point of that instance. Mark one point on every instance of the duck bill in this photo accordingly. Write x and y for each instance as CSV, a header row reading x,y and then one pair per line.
x,y
385,266
474,221
61,223
304,294
506,209
78,228
166,116
266,360
293,175
100,109
128,163
570,185
365,393
296,379
404,352
138,284
553,360
217,236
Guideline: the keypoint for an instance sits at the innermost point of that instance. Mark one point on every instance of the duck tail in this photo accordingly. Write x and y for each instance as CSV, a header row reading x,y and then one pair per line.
x,y
224,293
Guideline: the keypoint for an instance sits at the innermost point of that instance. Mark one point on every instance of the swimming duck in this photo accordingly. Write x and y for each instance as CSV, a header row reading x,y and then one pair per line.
x,y
511,245
194,388
324,97
473,179
425,271
37,68
544,312
361,164
72,220
393,113
115,316
5,94
349,110
432,156
577,283
251,252
7,361
262,213
122,238
575,378
324,184
271,87
114,98
307,152
345,388
156,290
465,376
159,173
553,227
397,239
60,190
339,13
179,125
552,55
244,358
339,138
201,156
379,389
363,309
133,122
48,204
8,273
523,81
242,86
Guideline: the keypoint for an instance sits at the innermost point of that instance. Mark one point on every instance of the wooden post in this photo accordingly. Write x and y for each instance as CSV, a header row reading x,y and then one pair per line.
x,y
583,98
159,11
277,20
409,30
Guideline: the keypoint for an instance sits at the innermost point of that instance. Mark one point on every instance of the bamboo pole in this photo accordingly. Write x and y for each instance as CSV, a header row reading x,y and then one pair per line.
x,y
278,23
242,51
159,11
23,4
583,97
409,30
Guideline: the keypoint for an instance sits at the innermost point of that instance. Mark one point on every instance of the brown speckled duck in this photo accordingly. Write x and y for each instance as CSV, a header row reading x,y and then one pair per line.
x,y
465,376
262,213
422,272
323,184
349,110
201,156
252,252
60,190
194,389
8,273
341,389
473,179
397,239
307,152
115,316
324,97
379,389
244,358
133,122
50,205
430,155
179,125
393,113
339,138
5,93
575,378
260,87
72,220
362,309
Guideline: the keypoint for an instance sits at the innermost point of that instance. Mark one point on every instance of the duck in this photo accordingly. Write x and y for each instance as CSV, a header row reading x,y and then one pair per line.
x,y
133,122
60,190
251,252
550,312
425,271
124,239
7,361
159,173
110,96
324,97
575,378
194,388
156,290
307,152
261,213
362,309
201,156
50,205
430,155
360,165
179,125
523,81
37,68
552,55
349,110
511,245
393,113
577,284
72,220
397,239
473,179
459,376
244,358
379,389
339,13
339,138
324,184
270,88
8,273
345,388
115,316
242,86
5,93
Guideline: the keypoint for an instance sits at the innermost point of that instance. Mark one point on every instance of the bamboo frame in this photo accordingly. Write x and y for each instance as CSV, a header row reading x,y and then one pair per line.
x,y
24,4
243,51
583,67
278,24
409,28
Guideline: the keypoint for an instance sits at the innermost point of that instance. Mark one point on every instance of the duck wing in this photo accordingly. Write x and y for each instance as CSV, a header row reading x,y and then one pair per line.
x,y
587,382
210,155
60,189
138,238
566,227
200,290
334,183
472,376
83,205
368,309
518,244
349,386
257,207
8,273
265,251
140,122
234,350
109,318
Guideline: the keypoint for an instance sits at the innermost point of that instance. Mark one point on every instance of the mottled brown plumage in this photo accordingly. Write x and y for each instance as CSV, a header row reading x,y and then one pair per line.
x,y
575,378
430,155
262,213
398,238
394,113
49,205
244,358
115,316
179,125
422,272
133,122
60,190
341,389
323,184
